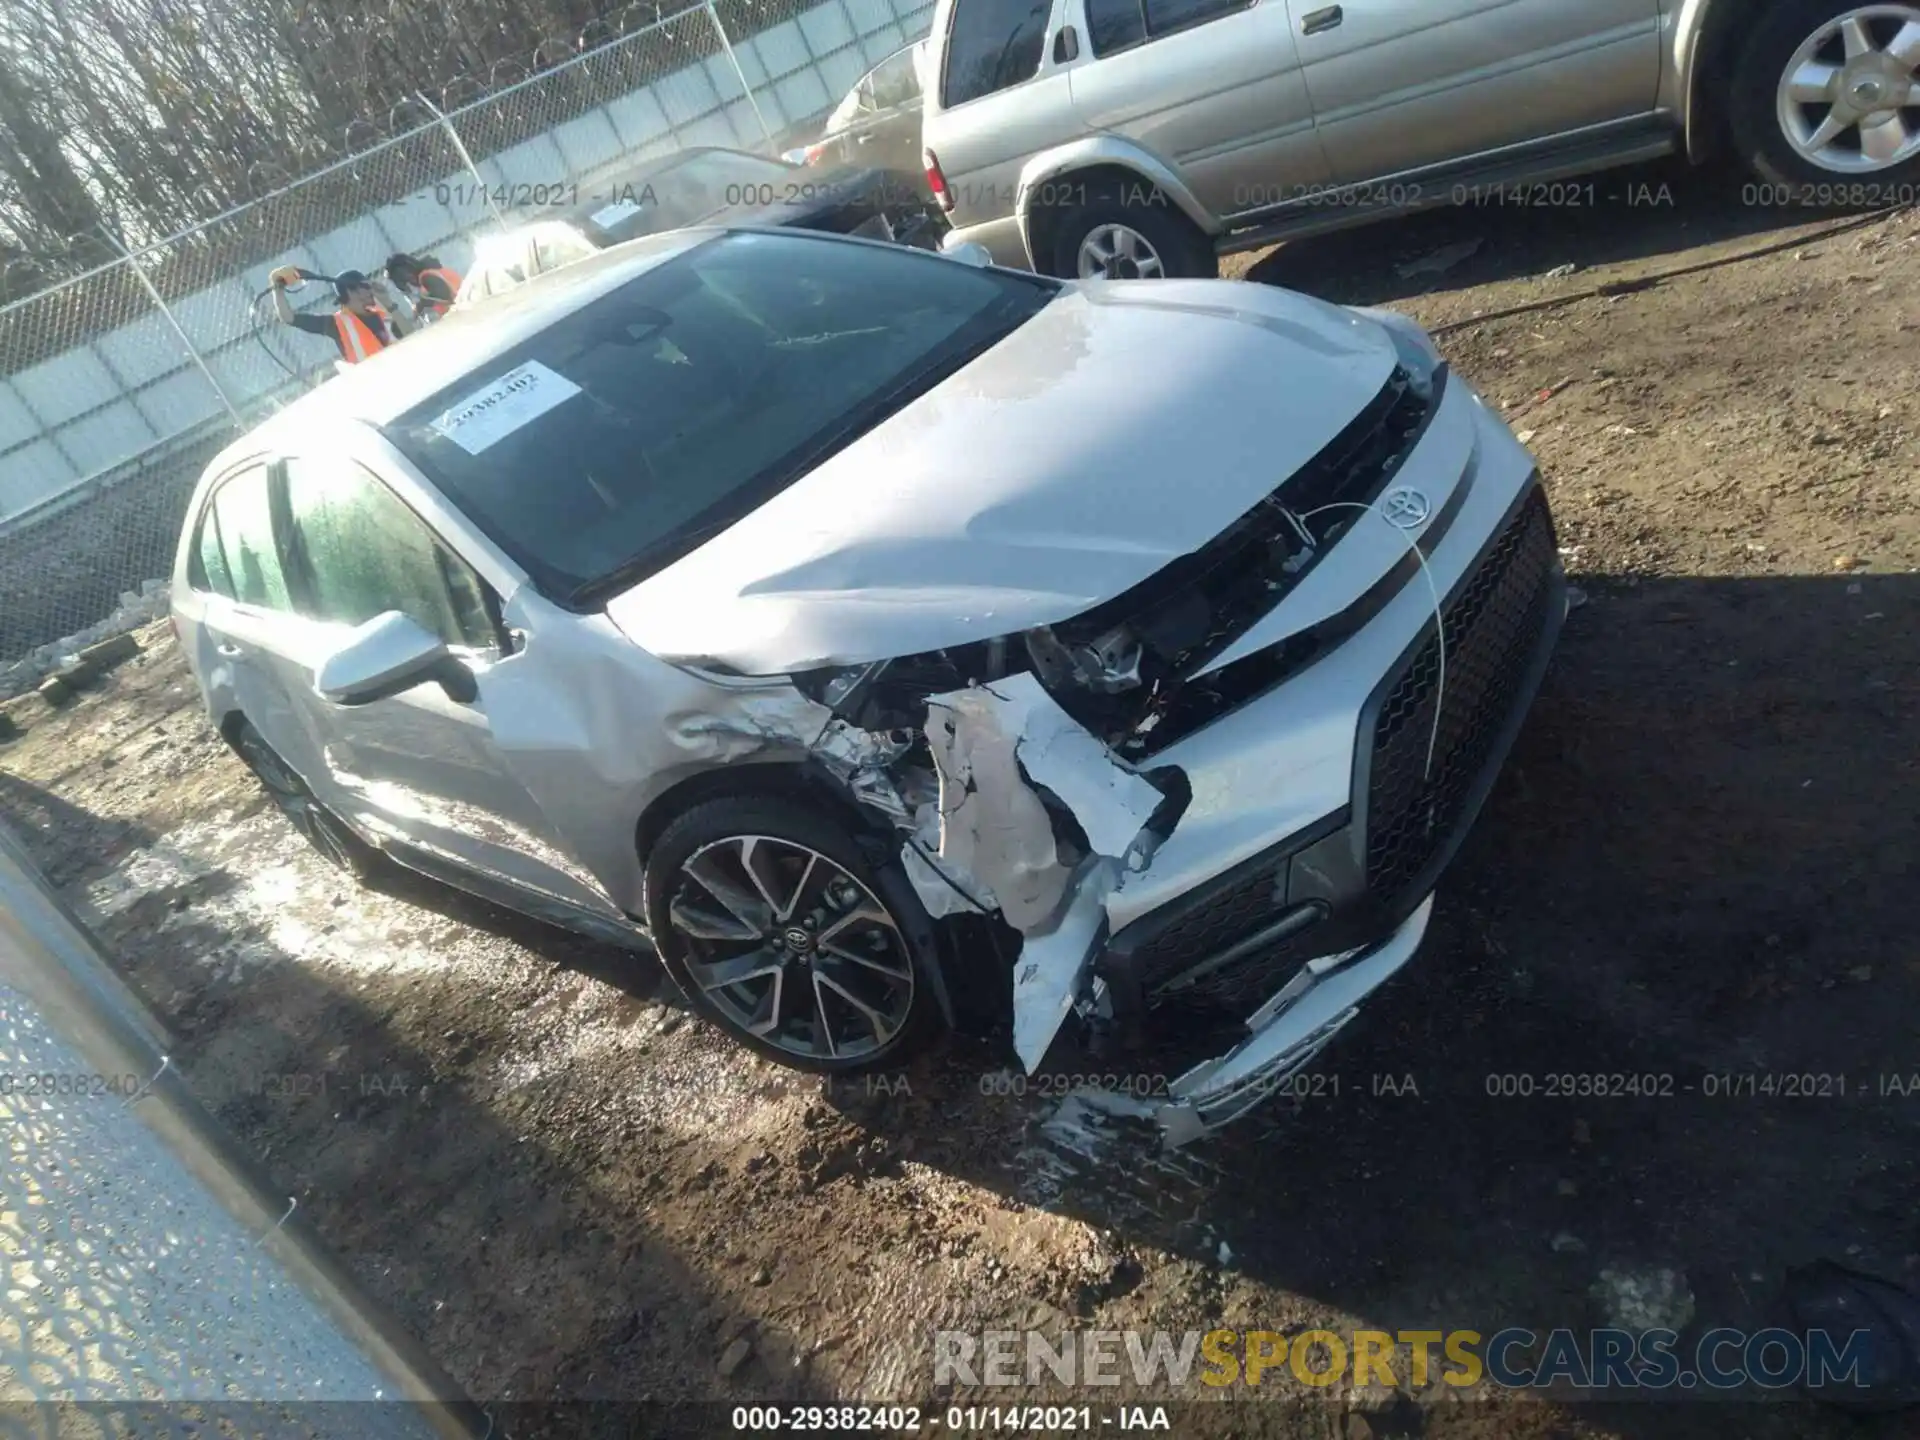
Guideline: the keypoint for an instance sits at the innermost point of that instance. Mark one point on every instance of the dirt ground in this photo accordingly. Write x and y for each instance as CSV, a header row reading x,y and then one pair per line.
x,y
1699,863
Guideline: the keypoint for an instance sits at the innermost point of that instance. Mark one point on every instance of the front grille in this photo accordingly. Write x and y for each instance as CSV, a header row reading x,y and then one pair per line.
x,y
1494,627
1471,673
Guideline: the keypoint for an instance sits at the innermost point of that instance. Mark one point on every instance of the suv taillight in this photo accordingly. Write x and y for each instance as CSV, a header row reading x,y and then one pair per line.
x,y
814,153
937,180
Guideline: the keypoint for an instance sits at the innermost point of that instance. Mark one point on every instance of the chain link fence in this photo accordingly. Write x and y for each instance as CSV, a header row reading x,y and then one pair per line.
x,y
120,383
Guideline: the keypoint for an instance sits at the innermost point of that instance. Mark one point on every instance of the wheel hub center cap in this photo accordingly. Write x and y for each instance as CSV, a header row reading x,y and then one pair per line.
x,y
1869,92
799,941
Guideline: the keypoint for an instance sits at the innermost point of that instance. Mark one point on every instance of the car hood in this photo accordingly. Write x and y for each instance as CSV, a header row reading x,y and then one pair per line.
x,y
1124,425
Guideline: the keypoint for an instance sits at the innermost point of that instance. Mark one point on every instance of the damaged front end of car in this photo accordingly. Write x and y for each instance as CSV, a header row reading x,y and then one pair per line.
x,y
1020,777
1189,805
1006,806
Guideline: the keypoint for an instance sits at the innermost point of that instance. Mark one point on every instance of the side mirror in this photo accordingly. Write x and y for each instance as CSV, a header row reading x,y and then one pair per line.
x,y
969,252
388,656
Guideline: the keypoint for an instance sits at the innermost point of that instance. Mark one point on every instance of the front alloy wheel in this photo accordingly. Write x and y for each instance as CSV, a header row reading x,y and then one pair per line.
x,y
792,949
783,934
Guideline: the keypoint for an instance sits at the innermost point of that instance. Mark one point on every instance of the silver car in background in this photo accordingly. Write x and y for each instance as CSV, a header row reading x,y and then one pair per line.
x,y
877,122
808,606
1125,138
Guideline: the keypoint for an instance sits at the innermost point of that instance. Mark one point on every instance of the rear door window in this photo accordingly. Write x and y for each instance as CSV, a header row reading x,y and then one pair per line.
x,y
242,516
1115,25
1168,17
208,572
893,81
992,44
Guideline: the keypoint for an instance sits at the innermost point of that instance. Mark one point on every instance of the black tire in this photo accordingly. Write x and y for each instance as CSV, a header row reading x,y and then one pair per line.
x,y
1184,252
1753,109
677,903
325,831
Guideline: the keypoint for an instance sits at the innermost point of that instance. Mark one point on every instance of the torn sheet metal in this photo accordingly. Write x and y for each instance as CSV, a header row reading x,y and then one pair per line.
x,y
993,745
861,759
941,890
992,824
1047,976
1111,801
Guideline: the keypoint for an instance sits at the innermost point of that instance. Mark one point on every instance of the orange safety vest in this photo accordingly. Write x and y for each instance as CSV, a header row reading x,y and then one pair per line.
x,y
357,339
447,276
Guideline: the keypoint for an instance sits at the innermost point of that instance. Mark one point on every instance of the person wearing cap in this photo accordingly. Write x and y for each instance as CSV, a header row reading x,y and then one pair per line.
x,y
363,324
426,284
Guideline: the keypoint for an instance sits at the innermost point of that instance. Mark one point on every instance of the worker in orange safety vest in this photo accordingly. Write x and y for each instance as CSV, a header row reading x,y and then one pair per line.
x,y
426,284
364,323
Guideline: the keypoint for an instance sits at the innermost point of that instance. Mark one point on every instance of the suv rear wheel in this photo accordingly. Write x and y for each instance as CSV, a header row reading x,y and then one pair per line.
x,y
781,932
1827,93
1111,238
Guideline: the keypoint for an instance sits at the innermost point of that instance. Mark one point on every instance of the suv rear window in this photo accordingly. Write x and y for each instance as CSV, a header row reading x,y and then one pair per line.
x,y
992,44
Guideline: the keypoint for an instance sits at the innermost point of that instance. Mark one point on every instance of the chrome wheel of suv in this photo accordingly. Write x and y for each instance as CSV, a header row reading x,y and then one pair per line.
x,y
790,948
1849,98
1118,252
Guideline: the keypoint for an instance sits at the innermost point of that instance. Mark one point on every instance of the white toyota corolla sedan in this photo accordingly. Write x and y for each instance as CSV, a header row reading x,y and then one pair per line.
x,y
898,642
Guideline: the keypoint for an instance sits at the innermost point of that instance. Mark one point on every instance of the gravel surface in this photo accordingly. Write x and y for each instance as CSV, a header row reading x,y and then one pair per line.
x,y
1699,863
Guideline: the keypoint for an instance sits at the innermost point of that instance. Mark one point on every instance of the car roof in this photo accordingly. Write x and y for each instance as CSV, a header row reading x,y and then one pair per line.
x,y
379,390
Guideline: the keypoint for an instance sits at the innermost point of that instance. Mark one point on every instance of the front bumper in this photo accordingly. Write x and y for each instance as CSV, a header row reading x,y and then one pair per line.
x,y
1324,812
1286,1034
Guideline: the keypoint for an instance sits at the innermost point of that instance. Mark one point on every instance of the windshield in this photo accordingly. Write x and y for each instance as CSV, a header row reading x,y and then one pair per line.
x,y
619,437
688,192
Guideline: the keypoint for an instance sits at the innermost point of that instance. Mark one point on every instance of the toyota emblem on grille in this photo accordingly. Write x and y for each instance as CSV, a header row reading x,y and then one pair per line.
x,y
1405,509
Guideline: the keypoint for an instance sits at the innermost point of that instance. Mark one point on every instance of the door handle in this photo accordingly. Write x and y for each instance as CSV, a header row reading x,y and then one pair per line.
x,y
1315,21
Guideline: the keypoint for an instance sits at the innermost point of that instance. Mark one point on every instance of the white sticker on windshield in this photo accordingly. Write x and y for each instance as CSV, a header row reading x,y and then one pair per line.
x,y
492,413
608,216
